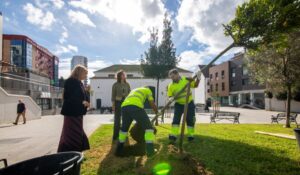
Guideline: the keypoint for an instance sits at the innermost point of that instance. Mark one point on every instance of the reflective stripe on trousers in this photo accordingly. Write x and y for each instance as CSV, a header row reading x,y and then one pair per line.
x,y
175,130
191,131
149,135
122,136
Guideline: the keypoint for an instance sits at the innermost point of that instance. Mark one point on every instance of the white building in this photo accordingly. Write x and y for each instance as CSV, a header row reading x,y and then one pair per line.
x,y
201,93
79,60
1,35
101,84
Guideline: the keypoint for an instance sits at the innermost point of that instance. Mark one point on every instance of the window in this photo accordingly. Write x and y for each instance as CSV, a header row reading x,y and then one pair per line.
x,y
208,90
216,76
223,86
211,76
44,103
111,75
222,74
217,87
233,83
245,82
233,72
129,75
211,88
245,71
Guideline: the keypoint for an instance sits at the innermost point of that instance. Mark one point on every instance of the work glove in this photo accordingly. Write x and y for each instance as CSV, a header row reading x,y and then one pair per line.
x,y
199,73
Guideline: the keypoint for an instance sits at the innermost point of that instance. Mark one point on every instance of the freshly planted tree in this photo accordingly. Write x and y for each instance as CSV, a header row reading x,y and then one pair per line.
x,y
160,58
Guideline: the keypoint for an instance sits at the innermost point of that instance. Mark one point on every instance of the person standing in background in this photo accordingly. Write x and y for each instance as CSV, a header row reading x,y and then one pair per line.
x,y
21,110
75,104
120,90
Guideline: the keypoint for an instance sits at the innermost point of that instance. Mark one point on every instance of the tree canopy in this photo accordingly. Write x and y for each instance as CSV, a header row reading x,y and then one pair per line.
x,y
260,21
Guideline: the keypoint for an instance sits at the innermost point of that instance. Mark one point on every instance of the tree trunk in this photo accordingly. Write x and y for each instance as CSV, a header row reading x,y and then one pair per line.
x,y
188,91
157,95
288,106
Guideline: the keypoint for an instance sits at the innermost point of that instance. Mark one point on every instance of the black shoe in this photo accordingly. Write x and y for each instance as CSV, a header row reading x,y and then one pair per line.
x,y
150,149
15,123
190,139
172,139
119,150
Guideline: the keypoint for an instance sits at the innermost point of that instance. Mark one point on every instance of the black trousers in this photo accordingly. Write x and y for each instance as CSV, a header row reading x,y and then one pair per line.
x,y
130,113
178,111
117,119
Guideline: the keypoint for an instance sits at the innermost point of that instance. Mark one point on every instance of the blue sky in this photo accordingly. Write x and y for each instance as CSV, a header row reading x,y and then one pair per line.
x,y
116,31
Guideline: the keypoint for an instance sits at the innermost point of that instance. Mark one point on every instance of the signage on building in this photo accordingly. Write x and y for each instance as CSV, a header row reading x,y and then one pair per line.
x,y
29,55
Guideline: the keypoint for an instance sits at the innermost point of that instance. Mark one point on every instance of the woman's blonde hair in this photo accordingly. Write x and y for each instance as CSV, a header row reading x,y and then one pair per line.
x,y
78,71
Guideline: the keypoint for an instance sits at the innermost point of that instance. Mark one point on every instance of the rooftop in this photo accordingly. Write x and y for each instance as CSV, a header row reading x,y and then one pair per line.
x,y
130,68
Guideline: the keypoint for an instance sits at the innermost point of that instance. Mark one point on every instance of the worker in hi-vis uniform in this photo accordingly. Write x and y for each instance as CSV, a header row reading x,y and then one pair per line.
x,y
133,109
179,82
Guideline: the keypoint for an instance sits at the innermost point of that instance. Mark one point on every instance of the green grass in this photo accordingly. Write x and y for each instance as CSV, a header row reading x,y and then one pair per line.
x,y
224,149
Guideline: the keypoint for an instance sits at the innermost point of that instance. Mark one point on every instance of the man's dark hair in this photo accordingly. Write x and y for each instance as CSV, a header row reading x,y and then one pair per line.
x,y
173,71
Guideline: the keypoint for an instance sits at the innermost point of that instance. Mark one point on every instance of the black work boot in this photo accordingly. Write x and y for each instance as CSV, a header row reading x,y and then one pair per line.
x,y
119,150
172,139
190,138
150,149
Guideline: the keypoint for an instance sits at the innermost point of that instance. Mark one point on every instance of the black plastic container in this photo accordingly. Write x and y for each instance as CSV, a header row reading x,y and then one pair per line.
x,y
65,163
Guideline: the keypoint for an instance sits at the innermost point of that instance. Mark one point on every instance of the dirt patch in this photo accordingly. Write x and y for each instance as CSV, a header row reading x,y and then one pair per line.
x,y
135,161
179,164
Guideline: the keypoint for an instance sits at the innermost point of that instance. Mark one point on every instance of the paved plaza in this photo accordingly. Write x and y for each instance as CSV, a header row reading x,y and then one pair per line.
x,y
40,137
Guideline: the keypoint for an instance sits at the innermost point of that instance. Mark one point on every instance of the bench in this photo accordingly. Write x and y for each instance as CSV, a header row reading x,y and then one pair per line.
x,y
282,116
231,116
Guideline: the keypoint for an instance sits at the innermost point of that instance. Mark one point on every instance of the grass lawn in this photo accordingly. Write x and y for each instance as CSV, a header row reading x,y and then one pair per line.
x,y
223,149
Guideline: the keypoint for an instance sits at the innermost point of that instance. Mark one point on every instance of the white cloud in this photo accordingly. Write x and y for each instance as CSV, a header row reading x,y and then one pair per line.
x,y
64,35
7,3
80,17
64,67
205,18
130,61
41,4
191,59
58,3
95,65
60,49
140,15
37,17
6,19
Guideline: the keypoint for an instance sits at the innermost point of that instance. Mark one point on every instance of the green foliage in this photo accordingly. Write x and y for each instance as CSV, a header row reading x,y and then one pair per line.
x,y
268,94
276,64
281,95
160,58
296,94
258,22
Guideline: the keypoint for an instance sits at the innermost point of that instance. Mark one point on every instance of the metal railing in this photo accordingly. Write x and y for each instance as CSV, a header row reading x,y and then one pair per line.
x,y
15,78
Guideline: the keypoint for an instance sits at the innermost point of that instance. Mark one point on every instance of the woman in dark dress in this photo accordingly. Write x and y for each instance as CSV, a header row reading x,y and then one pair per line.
x,y
75,104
